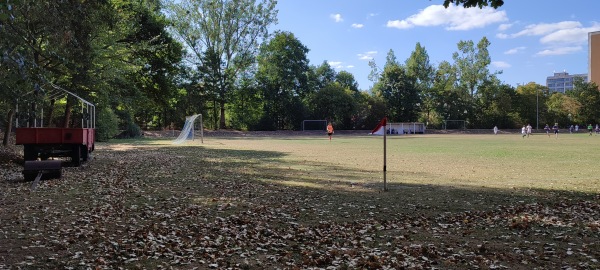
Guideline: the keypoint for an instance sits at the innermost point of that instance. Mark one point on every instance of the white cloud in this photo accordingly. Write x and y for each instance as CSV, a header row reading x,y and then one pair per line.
x,y
575,35
504,26
335,64
500,64
514,50
546,28
569,36
336,17
399,24
561,38
454,18
559,51
501,36
339,65
367,56
357,25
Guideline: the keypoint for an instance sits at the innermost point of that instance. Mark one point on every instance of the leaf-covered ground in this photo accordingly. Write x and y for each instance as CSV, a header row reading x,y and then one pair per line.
x,y
153,206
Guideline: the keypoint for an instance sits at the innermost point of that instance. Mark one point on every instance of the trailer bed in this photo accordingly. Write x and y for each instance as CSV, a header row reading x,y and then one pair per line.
x,y
82,136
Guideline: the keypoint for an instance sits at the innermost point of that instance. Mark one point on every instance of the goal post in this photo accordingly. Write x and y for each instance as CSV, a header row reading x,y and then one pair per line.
x,y
320,125
455,124
188,131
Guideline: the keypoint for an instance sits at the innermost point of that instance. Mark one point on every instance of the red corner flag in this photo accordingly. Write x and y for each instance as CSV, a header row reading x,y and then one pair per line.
x,y
380,128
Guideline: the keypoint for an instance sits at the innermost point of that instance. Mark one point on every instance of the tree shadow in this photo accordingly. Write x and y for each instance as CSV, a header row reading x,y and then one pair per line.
x,y
266,176
194,187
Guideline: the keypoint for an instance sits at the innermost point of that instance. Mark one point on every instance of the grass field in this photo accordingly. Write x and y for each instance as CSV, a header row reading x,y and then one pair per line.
x,y
297,202
502,162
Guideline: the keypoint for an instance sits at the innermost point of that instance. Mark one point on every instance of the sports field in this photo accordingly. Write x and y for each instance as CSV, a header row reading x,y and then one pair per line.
x,y
470,161
298,202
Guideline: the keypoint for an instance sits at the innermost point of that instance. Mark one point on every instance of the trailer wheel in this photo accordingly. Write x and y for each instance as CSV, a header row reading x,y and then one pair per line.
x,y
29,152
85,153
30,176
76,156
56,174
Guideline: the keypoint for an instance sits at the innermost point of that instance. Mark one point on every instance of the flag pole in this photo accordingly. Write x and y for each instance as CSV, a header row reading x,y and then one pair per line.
x,y
384,157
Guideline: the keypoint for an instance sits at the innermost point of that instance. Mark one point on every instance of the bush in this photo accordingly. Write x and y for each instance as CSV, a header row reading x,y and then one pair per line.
x,y
107,125
132,130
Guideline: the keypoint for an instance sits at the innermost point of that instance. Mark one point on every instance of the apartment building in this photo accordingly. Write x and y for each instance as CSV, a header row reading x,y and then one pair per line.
x,y
563,81
594,57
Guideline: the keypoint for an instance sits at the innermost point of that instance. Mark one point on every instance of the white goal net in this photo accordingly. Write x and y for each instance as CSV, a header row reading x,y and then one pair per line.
x,y
455,124
314,125
188,131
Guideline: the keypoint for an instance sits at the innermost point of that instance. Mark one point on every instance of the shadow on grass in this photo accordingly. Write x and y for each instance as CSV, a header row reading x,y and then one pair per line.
x,y
190,187
265,177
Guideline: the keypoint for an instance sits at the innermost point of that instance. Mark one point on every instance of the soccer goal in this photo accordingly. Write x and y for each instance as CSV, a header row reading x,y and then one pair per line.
x,y
320,125
188,130
455,124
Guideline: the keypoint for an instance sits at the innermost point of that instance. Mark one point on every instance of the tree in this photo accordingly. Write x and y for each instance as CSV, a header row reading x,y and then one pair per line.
x,y
370,110
390,59
230,29
161,55
562,108
282,80
418,67
114,53
472,64
107,125
136,65
448,101
474,3
495,106
52,41
325,75
211,76
335,103
85,20
375,72
588,95
399,91
346,80
247,106
529,103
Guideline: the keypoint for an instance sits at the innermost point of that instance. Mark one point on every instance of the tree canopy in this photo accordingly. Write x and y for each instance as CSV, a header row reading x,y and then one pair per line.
x,y
228,32
474,3
149,64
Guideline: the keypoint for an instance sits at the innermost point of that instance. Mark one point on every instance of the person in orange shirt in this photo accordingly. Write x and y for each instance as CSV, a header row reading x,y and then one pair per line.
x,y
329,130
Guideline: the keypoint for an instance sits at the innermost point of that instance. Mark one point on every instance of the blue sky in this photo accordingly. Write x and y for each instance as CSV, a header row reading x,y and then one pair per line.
x,y
530,39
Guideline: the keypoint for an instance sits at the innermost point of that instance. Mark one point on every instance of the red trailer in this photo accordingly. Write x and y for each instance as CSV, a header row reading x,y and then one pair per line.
x,y
42,144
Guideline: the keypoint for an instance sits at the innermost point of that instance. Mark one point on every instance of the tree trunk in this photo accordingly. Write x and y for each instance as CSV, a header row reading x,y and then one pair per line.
x,y
51,112
163,122
9,118
215,118
32,115
67,117
222,123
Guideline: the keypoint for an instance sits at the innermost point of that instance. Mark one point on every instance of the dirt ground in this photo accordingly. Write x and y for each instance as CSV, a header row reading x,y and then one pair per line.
x,y
139,205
